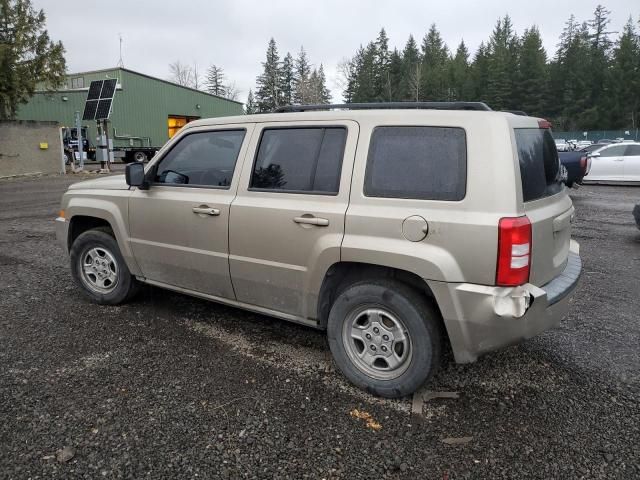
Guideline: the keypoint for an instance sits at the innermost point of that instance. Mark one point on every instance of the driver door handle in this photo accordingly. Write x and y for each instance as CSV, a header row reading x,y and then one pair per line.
x,y
206,211
317,221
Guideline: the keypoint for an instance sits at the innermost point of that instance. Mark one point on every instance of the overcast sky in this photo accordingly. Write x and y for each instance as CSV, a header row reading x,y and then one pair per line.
x,y
234,34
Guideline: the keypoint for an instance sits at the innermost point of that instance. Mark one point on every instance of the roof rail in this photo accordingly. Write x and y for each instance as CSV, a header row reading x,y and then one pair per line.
x,y
387,105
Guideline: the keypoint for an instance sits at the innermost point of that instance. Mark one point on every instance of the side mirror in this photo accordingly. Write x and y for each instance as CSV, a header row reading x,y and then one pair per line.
x,y
134,175
594,155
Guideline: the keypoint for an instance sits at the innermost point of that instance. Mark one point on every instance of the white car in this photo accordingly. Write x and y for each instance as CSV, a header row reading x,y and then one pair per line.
x,y
583,143
616,162
562,145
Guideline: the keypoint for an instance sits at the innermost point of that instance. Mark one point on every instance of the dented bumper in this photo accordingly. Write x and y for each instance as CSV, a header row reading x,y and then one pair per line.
x,y
482,318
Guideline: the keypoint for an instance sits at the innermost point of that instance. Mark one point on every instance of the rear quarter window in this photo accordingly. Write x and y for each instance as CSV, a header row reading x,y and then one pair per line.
x,y
426,163
539,165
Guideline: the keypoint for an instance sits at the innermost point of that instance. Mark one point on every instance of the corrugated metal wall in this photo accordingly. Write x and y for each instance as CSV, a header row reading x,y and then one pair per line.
x,y
140,107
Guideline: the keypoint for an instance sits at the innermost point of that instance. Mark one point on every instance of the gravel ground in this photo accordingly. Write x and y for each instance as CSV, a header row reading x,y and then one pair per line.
x,y
173,387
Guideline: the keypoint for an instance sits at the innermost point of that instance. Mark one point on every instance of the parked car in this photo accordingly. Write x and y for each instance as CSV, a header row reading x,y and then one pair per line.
x,y
583,143
562,145
577,164
395,230
615,163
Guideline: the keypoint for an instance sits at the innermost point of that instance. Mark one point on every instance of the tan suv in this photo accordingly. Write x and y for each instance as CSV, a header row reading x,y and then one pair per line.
x,y
399,231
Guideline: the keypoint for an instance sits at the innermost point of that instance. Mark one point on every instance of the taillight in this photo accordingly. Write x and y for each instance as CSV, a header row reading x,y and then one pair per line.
x,y
514,251
583,163
544,123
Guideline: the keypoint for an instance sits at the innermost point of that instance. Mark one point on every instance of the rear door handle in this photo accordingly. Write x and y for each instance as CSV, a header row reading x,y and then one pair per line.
x,y
206,211
317,221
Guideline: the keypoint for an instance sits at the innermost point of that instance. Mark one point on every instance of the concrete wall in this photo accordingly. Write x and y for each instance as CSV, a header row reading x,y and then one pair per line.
x,y
21,152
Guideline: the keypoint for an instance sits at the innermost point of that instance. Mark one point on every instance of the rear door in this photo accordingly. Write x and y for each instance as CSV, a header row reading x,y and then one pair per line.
x,y
287,221
632,163
546,203
608,165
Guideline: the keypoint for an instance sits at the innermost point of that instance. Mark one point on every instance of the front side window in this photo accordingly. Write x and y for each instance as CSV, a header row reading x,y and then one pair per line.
x,y
202,159
306,160
426,163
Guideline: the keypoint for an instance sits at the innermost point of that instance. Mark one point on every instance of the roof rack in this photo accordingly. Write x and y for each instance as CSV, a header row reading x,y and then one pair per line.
x,y
387,105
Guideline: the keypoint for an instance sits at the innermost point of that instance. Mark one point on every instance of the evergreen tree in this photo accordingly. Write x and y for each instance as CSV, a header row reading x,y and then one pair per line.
x,y
268,93
324,95
287,77
480,73
381,63
435,56
394,77
411,69
623,86
27,55
365,90
502,65
354,67
460,75
214,81
531,85
250,107
302,71
599,63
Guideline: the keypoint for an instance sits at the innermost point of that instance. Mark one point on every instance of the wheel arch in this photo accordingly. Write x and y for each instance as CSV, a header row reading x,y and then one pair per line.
x,y
87,213
341,274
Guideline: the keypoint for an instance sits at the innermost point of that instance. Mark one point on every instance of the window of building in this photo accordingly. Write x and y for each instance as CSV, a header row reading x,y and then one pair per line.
x,y
176,122
77,82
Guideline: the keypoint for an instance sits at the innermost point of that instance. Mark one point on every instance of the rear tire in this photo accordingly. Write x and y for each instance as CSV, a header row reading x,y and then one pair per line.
x,y
99,269
385,337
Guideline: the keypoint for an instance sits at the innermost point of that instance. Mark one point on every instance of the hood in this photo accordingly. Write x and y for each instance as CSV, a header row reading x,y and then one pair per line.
x,y
112,182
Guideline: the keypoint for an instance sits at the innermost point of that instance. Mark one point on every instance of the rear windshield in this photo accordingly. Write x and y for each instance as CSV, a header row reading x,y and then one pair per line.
x,y
539,164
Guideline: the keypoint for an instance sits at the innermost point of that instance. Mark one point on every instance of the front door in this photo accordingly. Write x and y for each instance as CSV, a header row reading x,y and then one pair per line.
x,y
287,221
179,226
608,165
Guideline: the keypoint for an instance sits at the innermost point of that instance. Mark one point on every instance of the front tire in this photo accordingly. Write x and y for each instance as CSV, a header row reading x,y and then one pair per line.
x,y
99,269
385,337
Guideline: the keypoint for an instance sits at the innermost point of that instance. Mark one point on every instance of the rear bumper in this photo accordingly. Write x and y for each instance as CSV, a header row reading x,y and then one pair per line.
x,y
481,318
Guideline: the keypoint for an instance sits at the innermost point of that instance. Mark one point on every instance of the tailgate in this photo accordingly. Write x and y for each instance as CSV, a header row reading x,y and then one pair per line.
x,y
546,203
550,237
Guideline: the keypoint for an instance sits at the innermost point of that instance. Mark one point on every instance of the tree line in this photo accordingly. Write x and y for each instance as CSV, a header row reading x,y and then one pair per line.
x,y
591,82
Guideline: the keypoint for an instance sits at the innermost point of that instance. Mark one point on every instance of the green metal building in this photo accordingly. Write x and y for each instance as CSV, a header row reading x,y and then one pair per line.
x,y
146,111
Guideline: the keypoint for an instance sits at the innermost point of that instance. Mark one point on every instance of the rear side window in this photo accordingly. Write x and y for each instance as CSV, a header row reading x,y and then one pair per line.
x,y
539,164
307,160
632,151
426,163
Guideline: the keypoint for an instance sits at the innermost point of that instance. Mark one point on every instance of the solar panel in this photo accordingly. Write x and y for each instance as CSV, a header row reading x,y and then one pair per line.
x,y
94,90
104,106
90,108
99,99
108,88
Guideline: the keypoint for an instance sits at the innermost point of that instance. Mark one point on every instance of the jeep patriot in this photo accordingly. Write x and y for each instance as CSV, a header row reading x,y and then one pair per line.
x,y
400,231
